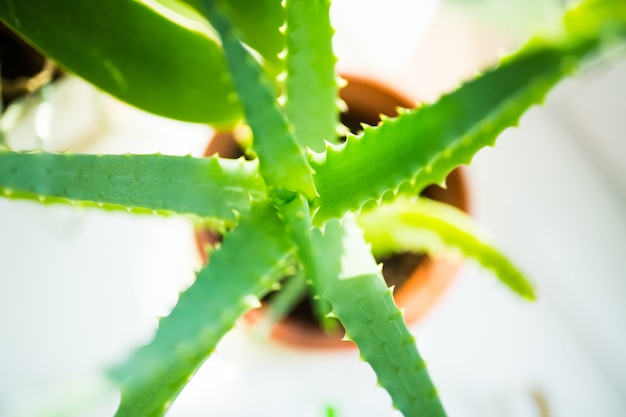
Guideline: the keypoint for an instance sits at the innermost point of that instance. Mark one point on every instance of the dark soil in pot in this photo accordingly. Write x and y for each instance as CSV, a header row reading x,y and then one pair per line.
x,y
418,279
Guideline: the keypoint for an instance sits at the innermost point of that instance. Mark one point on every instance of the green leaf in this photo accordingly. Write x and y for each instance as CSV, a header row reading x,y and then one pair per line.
x,y
423,225
212,188
596,16
249,262
283,163
423,146
311,89
354,286
258,22
297,219
281,304
138,51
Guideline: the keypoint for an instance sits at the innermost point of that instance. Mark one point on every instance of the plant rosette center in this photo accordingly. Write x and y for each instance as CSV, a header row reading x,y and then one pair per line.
x,y
419,280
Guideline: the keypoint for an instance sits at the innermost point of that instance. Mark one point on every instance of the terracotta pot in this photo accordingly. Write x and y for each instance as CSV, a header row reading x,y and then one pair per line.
x,y
419,279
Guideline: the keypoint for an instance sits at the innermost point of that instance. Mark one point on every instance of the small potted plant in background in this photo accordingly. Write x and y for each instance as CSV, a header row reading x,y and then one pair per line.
x,y
297,208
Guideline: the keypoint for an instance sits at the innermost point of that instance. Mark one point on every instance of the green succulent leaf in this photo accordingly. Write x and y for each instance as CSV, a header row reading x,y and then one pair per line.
x,y
258,22
423,225
283,163
139,51
423,146
297,219
210,188
248,264
311,87
593,17
292,290
353,284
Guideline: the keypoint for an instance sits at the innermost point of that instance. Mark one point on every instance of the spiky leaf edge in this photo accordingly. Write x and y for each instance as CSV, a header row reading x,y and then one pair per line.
x,y
311,84
144,59
211,189
354,286
248,264
423,225
422,146
283,163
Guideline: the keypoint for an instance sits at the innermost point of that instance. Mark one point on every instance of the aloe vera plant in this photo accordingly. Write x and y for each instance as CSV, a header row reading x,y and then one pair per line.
x,y
302,201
